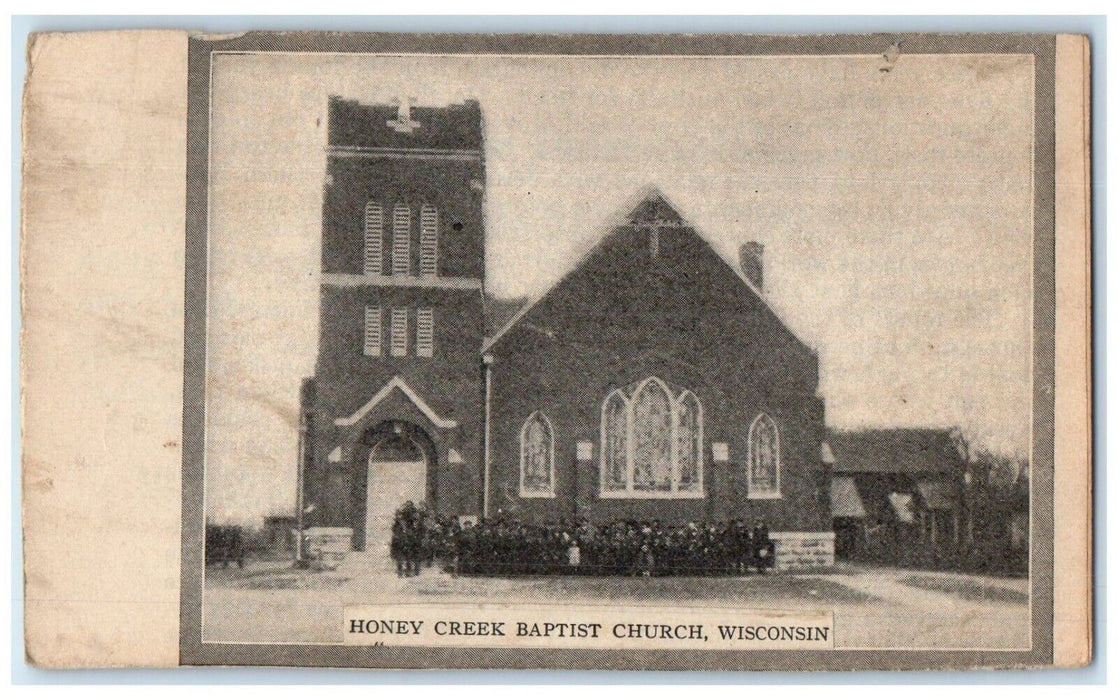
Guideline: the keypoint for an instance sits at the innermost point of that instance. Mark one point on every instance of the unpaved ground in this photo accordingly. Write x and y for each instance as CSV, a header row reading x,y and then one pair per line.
x,y
877,608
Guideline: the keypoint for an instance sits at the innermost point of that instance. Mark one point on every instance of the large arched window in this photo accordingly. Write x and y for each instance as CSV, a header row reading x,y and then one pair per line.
x,y
374,238
537,457
652,437
652,442
764,458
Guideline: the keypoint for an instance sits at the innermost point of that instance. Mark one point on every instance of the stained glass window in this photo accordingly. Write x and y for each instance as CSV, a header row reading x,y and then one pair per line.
x,y
764,457
652,438
689,441
651,441
614,444
536,456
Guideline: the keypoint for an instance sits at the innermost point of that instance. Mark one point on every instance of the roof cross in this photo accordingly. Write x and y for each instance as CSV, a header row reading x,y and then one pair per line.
x,y
403,122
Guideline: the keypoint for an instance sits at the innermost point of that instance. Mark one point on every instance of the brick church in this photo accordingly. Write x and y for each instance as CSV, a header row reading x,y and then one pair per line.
x,y
652,381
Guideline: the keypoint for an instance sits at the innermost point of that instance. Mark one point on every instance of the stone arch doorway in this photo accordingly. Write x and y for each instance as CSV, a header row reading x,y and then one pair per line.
x,y
398,467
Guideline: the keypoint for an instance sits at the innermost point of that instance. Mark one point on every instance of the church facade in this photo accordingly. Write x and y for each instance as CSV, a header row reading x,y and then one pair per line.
x,y
652,382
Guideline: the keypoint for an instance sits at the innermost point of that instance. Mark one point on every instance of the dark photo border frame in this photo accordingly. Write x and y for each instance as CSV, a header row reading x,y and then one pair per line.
x,y
193,651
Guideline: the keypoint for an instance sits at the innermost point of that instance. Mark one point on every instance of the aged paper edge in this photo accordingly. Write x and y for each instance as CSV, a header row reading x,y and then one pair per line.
x,y
1072,582
102,222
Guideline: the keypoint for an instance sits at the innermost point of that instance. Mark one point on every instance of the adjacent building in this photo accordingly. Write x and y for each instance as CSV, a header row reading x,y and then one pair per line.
x,y
897,495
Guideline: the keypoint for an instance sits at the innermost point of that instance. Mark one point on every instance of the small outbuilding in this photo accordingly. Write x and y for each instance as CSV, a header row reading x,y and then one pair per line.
x,y
897,494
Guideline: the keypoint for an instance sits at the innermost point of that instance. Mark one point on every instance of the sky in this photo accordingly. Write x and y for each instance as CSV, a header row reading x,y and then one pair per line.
x,y
895,208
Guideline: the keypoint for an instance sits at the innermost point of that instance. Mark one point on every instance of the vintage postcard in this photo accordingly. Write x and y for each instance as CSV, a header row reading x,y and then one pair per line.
x,y
616,352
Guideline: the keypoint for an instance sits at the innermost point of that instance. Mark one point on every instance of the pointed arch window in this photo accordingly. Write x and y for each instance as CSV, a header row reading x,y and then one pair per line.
x,y
401,239
764,458
374,238
652,438
689,441
615,443
652,442
537,457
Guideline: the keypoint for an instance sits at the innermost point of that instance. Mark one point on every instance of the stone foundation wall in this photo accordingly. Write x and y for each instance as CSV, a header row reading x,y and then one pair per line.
x,y
798,551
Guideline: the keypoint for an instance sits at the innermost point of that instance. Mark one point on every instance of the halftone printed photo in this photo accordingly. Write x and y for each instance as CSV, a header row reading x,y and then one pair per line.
x,y
628,352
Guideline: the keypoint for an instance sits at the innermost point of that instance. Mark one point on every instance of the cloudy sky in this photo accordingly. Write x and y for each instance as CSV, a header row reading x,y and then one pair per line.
x,y
895,210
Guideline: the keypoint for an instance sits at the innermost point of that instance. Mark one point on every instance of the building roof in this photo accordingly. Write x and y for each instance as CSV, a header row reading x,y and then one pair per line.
x,y
895,451
650,208
936,494
498,311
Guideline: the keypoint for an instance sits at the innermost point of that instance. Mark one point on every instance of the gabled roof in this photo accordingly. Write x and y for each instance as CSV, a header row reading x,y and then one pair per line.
x,y
654,208
498,311
650,207
895,451
397,383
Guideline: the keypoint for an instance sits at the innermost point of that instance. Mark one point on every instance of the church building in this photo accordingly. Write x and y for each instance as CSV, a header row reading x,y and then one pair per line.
x,y
652,382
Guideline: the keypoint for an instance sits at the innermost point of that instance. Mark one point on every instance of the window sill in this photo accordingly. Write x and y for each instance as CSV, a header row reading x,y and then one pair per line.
x,y
537,494
652,495
764,496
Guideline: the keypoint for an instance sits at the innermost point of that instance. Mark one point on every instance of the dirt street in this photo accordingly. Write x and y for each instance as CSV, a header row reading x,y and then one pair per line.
x,y
876,608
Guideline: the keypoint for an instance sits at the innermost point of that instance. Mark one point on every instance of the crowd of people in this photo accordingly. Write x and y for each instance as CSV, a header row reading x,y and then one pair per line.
x,y
506,546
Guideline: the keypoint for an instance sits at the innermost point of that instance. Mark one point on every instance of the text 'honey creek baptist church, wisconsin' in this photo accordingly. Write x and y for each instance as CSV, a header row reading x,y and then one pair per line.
x,y
652,381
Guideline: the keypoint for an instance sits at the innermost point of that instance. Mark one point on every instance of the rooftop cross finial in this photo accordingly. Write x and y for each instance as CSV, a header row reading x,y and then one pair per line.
x,y
403,122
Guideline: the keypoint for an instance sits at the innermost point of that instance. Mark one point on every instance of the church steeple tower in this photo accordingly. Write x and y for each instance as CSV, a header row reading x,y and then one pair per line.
x,y
403,268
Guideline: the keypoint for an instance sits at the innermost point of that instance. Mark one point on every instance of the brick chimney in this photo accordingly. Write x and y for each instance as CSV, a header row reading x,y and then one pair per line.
x,y
752,255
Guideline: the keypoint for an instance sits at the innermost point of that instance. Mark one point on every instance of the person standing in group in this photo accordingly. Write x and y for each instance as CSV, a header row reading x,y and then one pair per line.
x,y
764,550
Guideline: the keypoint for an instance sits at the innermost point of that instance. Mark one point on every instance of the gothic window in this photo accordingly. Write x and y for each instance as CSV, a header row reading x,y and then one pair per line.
x,y
372,331
689,441
374,238
428,240
615,443
652,442
401,239
425,333
537,457
652,438
764,458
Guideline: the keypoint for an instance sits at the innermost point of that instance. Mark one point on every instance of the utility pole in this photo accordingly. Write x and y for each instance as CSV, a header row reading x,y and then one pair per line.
x,y
299,488
306,402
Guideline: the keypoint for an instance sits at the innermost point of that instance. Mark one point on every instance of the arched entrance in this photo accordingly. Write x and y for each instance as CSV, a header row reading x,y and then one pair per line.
x,y
401,457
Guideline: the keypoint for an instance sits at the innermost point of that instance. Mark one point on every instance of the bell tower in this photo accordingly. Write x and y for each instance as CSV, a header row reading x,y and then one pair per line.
x,y
401,324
